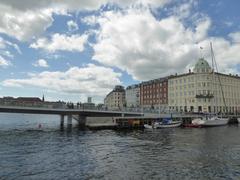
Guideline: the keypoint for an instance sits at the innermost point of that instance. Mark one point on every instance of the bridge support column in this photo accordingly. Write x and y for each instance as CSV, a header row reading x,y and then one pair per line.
x,y
69,120
61,120
82,121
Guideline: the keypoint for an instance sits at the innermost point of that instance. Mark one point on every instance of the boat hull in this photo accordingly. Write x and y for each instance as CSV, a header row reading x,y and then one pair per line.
x,y
193,125
215,122
170,125
146,126
196,123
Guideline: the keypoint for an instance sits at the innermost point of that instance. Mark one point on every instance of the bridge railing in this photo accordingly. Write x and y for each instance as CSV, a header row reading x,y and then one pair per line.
x,y
125,109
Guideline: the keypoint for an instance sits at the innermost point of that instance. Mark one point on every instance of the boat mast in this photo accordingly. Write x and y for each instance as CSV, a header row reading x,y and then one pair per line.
x,y
215,63
212,75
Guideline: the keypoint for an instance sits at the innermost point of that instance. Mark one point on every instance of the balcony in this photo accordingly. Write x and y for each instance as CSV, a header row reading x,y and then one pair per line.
x,y
209,96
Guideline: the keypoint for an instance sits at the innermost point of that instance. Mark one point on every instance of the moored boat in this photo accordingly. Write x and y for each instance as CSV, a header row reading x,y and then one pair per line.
x,y
147,126
215,121
167,123
196,123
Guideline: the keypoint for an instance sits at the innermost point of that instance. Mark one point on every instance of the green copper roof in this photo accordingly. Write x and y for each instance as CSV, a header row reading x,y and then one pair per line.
x,y
202,66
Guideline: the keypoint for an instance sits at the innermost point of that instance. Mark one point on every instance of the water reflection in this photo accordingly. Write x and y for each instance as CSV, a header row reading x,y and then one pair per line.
x,y
212,153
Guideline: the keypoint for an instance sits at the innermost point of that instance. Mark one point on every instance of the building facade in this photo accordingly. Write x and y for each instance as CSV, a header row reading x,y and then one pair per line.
x,y
154,94
115,100
204,90
133,96
30,102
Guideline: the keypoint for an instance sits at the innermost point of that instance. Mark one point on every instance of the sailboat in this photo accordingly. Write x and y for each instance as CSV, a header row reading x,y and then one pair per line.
x,y
215,120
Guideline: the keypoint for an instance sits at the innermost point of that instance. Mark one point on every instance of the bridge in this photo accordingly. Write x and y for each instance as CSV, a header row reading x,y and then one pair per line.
x,y
78,114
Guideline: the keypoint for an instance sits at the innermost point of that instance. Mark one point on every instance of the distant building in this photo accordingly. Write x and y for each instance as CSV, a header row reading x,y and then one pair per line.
x,y
115,100
154,94
89,100
8,100
21,101
88,104
200,90
133,96
30,102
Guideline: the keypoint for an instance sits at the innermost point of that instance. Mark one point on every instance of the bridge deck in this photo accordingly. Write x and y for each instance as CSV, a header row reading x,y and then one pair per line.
x,y
82,112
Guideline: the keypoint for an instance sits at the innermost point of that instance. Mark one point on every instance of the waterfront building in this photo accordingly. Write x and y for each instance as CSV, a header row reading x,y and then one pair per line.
x,y
21,101
115,100
154,94
204,90
133,96
30,102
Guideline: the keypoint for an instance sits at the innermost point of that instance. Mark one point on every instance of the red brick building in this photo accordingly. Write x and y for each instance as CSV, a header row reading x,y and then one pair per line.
x,y
154,94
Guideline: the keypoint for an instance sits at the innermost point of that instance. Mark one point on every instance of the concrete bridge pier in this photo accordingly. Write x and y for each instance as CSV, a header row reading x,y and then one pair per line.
x,y
61,121
69,120
82,121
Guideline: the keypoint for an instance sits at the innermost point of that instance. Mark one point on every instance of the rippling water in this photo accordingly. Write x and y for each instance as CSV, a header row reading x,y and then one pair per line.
x,y
27,153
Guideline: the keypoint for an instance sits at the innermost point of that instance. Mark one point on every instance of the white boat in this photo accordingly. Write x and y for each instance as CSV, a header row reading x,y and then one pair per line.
x,y
215,121
198,121
167,123
147,126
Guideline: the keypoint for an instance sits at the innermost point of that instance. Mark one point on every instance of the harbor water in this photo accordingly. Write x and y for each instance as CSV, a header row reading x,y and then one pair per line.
x,y
28,151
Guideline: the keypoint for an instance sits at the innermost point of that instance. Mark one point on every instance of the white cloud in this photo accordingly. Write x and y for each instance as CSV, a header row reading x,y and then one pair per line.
x,y
4,62
227,54
184,10
89,80
24,25
6,53
235,37
61,42
41,63
72,26
146,48
2,43
76,4
5,44
129,3
27,19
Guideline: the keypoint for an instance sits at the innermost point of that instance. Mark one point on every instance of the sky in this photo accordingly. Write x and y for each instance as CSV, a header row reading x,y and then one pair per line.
x,y
69,50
